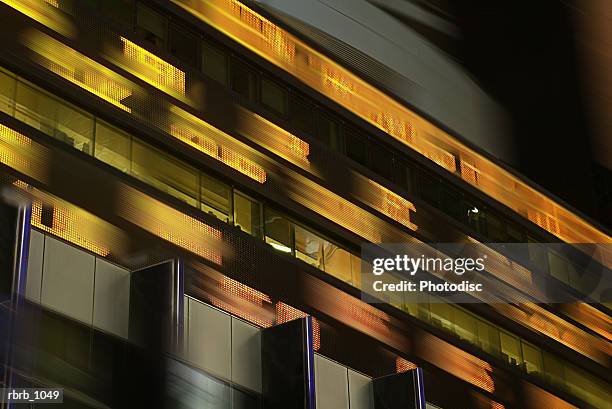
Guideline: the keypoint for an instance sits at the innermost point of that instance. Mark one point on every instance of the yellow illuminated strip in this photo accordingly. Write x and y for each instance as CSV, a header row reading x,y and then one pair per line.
x,y
112,87
385,201
273,137
202,136
22,154
170,224
45,12
78,69
72,223
281,48
152,69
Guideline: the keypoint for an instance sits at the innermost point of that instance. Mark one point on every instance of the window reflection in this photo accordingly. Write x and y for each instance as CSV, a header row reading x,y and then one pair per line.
x,y
154,167
278,231
215,197
308,247
113,147
247,214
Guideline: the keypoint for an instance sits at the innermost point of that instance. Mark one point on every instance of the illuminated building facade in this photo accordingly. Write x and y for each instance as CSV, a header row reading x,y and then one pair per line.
x,y
199,176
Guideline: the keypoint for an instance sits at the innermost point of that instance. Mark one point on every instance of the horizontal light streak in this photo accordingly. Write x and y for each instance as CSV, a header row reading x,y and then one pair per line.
x,y
45,12
153,69
78,69
271,42
169,224
203,136
72,223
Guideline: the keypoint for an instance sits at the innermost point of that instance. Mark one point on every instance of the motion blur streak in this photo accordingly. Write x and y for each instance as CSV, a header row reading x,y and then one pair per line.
x,y
22,154
72,223
78,69
591,317
169,224
538,319
271,42
455,361
538,398
152,69
45,12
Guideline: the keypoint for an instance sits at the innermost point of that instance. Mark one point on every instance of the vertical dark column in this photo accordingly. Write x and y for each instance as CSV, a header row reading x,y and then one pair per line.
x,y
14,245
400,391
288,366
155,328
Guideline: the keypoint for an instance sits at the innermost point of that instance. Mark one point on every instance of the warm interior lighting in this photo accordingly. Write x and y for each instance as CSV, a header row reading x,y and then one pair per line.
x,y
280,247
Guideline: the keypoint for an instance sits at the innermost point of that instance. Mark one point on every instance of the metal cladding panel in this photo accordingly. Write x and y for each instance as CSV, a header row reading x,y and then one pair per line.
x,y
288,366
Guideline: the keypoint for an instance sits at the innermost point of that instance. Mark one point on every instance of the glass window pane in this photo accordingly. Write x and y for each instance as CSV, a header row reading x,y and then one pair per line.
x,y
450,202
554,371
495,229
74,128
356,270
183,45
119,10
474,215
532,357
441,314
215,196
302,114
356,147
515,235
214,63
382,160
112,147
243,80
428,188
35,108
151,24
488,337
338,262
7,93
328,132
278,231
308,247
558,267
247,215
165,173
273,96
465,325
510,348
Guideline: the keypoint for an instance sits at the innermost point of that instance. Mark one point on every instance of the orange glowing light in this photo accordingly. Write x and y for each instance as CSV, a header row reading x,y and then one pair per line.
x,y
243,301
403,365
322,74
286,313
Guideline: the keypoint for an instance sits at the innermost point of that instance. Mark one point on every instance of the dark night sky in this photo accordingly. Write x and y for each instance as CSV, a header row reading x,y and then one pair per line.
x,y
524,54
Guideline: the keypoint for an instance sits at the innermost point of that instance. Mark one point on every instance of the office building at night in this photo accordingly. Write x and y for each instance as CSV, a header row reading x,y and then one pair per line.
x,y
186,189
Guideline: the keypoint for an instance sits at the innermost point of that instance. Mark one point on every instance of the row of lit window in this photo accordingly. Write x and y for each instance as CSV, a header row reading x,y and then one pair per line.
x,y
130,155
418,181
560,268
